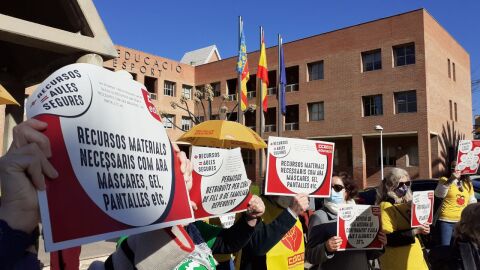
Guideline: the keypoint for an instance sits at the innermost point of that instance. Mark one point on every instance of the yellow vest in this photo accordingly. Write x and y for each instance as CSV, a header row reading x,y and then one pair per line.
x,y
288,253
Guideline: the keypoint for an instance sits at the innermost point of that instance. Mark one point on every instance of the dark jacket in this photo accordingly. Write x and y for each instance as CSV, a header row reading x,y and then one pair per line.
x,y
459,256
263,239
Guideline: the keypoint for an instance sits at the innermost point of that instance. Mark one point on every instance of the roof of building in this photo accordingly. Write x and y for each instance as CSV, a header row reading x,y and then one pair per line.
x,y
200,56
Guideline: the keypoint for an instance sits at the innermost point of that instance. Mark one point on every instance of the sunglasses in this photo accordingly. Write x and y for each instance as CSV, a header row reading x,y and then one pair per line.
x,y
401,184
338,188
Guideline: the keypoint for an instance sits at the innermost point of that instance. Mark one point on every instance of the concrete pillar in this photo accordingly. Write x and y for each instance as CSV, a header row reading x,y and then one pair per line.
x,y
436,159
359,160
424,156
13,114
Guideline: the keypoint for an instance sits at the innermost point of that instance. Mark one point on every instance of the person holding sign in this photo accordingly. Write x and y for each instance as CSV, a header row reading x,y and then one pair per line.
x,y
403,250
323,242
456,192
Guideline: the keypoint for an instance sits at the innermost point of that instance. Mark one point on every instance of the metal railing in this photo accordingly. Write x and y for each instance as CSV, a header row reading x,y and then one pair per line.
x,y
252,127
291,87
270,128
251,94
152,96
232,97
291,126
271,91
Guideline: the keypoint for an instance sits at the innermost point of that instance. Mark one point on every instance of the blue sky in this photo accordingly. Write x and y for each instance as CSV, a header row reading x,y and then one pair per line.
x,y
171,28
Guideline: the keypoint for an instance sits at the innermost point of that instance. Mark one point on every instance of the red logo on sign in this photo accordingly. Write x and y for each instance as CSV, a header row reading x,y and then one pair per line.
x,y
324,148
292,239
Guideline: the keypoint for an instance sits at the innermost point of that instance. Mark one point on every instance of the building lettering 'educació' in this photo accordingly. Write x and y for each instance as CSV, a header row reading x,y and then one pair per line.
x,y
150,66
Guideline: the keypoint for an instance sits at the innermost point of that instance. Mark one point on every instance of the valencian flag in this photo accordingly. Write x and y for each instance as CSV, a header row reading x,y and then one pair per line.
x,y
262,73
283,81
242,69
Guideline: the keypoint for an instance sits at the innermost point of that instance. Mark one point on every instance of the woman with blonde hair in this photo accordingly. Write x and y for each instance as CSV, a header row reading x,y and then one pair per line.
x,y
403,250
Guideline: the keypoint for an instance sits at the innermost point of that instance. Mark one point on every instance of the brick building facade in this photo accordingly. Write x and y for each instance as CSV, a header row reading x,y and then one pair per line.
x,y
404,72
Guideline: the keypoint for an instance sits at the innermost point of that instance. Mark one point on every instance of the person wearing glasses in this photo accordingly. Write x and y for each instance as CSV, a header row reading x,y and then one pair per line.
x,y
403,250
455,192
323,242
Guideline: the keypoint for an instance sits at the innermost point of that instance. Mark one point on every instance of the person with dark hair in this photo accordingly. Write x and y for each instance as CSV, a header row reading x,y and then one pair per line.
x,y
455,193
403,250
463,253
322,244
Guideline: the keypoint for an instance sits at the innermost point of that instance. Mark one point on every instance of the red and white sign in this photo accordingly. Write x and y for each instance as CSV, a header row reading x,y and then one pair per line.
x,y
220,183
422,208
299,166
358,226
118,174
468,156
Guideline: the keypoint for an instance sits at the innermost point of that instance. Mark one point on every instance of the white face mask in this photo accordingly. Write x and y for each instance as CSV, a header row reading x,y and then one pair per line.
x,y
283,201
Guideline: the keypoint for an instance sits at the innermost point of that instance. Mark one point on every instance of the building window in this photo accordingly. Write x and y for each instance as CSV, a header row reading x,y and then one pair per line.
x,y
453,72
336,158
186,123
449,71
187,91
455,108
406,102
404,54
412,156
201,118
248,156
315,71
315,111
389,157
151,85
169,88
168,120
134,76
216,89
372,60
372,105
451,109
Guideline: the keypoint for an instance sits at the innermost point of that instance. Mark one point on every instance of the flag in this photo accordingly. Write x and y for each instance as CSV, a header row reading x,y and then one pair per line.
x,y
283,81
242,69
262,74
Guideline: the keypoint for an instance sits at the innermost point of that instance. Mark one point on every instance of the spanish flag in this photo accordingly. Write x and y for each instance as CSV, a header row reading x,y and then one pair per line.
x,y
262,73
242,69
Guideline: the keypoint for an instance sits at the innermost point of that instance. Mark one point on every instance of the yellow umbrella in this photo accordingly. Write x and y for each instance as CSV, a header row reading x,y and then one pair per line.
x,y
5,97
223,134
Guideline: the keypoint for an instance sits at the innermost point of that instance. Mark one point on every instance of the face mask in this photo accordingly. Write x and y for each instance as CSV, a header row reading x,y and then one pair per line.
x,y
337,197
284,201
401,191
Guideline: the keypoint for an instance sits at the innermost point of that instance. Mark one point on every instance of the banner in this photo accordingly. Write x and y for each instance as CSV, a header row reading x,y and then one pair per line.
x,y
220,183
468,156
422,208
299,166
358,226
118,173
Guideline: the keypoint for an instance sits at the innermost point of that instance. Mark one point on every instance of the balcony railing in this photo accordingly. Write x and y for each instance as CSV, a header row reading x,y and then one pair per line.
x,y
271,91
251,94
270,128
152,96
252,127
232,97
291,126
291,87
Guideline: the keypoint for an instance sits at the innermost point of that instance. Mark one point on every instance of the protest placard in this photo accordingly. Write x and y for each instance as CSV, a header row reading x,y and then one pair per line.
x,y
220,183
358,226
468,156
299,166
118,173
422,208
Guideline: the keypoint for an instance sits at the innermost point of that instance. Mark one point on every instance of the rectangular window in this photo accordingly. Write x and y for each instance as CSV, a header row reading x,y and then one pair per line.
x,y
315,71
412,156
248,156
168,120
451,110
404,54
134,76
389,156
406,102
187,91
453,72
455,107
372,60
315,111
169,88
449,72
216,89
186,123
372,105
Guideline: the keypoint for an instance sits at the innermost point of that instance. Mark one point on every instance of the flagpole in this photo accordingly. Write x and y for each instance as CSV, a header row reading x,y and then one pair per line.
x,y
260,114
279,93
239,79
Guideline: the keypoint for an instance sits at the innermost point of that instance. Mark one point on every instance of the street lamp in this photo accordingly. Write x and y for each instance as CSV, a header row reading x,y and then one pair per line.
x,y
380,128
